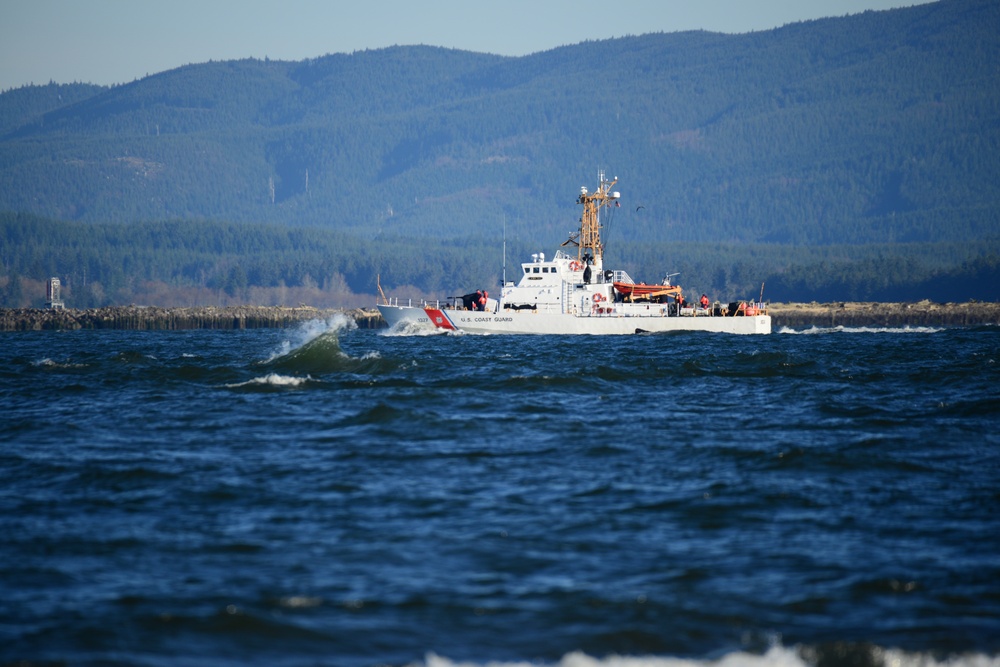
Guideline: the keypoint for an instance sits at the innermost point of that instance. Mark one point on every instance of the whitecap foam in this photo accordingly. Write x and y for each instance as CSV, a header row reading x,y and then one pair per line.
x,y
842,329
300,602
776,656
48,363
272,380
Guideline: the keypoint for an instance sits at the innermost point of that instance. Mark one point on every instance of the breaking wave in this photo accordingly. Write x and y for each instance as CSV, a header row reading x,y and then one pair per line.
x,y
315,348
304,335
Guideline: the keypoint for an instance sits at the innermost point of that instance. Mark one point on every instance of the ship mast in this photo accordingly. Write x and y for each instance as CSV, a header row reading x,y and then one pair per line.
x,y
591,249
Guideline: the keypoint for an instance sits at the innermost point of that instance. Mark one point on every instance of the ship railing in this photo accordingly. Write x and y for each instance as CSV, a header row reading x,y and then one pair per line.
x,y
423,303
394,301
621,276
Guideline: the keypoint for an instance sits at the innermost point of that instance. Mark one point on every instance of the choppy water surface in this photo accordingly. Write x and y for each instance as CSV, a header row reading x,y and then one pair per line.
x,y
332,496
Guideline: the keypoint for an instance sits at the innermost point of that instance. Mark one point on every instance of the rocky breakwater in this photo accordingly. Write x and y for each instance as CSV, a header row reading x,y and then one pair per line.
x,y
874,314
162,319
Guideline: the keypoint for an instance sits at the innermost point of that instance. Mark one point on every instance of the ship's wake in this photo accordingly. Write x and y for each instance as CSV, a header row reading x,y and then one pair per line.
x,y
413,329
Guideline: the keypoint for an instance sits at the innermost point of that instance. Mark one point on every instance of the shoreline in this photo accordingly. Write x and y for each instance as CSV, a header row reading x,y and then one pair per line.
x,y
152,318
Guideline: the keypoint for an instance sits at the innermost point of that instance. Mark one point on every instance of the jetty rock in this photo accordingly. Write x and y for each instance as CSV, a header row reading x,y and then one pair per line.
x,y
878,314
152,318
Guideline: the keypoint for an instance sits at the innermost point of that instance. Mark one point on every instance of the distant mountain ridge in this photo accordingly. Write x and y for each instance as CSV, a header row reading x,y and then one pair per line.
x,y
877,128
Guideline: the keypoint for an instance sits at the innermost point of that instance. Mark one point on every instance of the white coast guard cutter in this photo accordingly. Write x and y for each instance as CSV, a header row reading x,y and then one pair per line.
x,y
573,293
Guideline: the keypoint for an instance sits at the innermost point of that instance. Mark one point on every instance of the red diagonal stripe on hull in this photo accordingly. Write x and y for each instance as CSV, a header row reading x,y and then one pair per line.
x,y
439,319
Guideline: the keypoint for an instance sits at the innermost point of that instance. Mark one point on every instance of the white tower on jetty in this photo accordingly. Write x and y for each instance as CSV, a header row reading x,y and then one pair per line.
x,y
52,298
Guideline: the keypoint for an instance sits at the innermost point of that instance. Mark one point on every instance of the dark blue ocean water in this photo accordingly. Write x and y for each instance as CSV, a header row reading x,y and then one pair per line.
x,y
334,496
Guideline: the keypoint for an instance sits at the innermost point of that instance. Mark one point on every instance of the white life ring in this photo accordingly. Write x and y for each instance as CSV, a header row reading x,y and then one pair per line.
x,y
598,298
575,266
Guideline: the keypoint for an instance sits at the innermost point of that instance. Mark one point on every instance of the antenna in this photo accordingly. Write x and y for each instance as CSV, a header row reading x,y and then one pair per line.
x,y
504,278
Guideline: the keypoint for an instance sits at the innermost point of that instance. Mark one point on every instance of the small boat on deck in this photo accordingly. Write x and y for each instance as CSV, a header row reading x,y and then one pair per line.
x,y
644,292
573,293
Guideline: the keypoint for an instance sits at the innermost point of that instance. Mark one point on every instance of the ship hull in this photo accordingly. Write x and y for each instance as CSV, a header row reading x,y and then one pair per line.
x,y
605,324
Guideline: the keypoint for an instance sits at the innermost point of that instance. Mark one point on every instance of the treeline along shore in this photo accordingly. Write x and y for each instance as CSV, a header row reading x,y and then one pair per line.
x,y
795,315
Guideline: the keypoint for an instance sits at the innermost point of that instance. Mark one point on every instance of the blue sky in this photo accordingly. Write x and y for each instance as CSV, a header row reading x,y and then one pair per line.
x,y
117,41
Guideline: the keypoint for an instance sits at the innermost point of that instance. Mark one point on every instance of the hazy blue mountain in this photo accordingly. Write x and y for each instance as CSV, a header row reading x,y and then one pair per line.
x,y
746,153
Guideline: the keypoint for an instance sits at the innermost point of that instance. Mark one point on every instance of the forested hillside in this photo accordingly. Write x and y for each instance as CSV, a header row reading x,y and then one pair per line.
x,y
847,158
